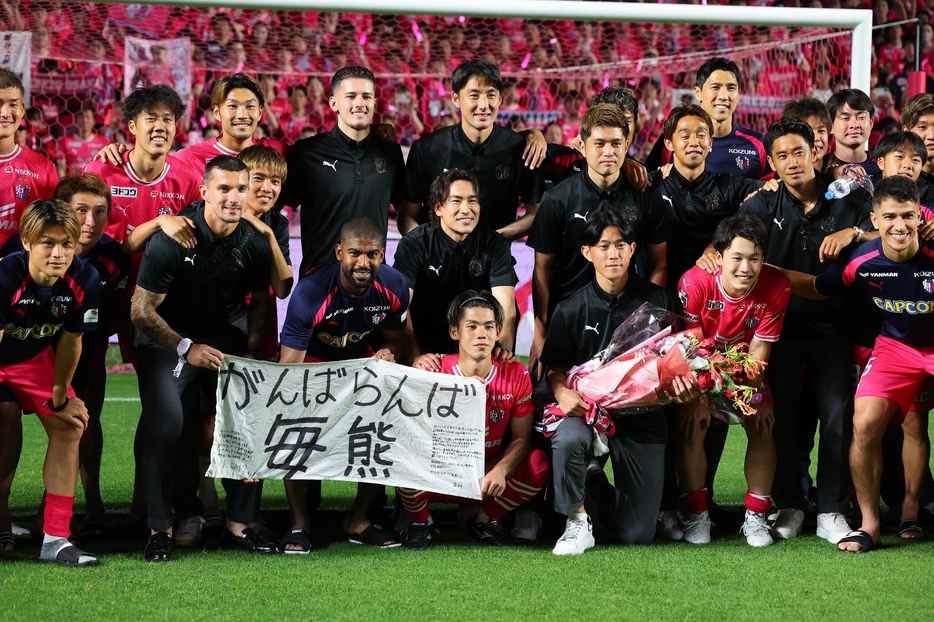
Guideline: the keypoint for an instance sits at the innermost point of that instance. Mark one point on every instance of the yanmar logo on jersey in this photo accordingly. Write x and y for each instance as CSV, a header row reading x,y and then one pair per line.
x,y
882,275
155,194
123,192
911,307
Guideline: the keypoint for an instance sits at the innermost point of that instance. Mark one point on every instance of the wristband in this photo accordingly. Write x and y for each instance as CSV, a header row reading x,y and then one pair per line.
x,y
58,409
182,350
859,234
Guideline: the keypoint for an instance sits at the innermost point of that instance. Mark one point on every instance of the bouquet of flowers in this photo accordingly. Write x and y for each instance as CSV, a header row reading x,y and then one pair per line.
x,y
635,372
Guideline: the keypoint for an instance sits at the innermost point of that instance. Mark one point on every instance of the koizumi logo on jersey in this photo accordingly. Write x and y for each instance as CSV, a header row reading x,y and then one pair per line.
x,y
123,192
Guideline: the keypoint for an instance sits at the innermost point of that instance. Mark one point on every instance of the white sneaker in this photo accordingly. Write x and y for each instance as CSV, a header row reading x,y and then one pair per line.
x,y
577,537
697,528
668,527
527,525
788,523
832,526
189,531
756,530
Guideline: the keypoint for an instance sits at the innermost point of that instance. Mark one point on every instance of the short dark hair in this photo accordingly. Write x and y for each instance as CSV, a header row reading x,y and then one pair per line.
x,y
784,127
225,162
226,84
806,108
908,142
297,87
854,98
10,80
148,98
441,189
363,228
679,112
618,96
603,115
920,104
746,227
68,187
898,188
351,72
717,63
478,68
472,299
598,221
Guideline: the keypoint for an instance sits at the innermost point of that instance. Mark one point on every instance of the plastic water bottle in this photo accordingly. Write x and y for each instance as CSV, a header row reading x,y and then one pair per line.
x,y
845,185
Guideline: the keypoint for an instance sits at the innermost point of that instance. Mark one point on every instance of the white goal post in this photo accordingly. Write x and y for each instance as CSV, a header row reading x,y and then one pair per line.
x,y
859,21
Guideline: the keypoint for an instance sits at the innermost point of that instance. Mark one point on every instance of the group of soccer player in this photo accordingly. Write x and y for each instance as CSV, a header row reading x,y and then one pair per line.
x,y
181,257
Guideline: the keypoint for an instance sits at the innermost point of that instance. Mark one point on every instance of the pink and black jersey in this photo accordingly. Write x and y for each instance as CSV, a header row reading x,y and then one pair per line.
x,y
508,395
333,325
759,313
902,291
33,316
196,157
75,152
136,201
24,177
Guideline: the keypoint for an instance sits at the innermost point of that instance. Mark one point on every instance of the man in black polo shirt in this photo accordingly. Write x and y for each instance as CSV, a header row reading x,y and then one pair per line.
x,y
805,231
580,327
476,144
183,305
452,254
560,269
343,174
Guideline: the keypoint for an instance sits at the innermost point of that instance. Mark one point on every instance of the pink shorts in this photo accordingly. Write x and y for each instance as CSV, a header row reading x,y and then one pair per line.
x,y
897,372
32,382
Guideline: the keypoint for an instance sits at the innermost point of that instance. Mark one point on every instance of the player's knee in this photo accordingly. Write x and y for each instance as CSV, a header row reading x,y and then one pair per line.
x,y
539,468
638,534
573,436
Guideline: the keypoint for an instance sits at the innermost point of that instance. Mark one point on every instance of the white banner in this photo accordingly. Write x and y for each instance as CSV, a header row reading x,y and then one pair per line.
x,y
357,421
165,61
16,55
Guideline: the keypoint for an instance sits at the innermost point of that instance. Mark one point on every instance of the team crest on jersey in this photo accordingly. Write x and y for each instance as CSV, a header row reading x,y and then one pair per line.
x,y
166,211
928,285
123,192
497,415
503,172
378,318
715,305
683,297
22,191
742,162
381,165
752,322
57,310
828,224
475,267
630,213
712,203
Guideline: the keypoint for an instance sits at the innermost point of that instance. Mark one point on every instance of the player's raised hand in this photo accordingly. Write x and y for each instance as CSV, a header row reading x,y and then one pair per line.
x,y
665,169
502,355
926,231
535,149
636,174
203,355
428,362
179,228
708,262
112,153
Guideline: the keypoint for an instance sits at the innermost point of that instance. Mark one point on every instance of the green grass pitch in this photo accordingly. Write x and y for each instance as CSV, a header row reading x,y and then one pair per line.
x,y
803,579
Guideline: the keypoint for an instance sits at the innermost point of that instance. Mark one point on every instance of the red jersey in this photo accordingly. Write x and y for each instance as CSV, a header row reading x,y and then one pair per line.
x,y
292,126
24,177
197,156
759,313
508,395
76,152
136,201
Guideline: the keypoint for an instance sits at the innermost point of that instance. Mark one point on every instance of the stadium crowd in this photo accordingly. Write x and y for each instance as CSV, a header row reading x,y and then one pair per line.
x,y
755,239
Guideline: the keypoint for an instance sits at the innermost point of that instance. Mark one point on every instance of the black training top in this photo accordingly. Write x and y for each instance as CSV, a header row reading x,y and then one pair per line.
x,y
199,288
438,269
504,178
583,325
336,179
561,218
694,210
794,241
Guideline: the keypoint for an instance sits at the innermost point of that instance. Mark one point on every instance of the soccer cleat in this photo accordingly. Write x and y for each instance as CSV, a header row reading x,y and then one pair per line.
x,y
832,526
489,533
788,523
756,529
417,536
189,531
697,528
667,527
577,536
527,525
